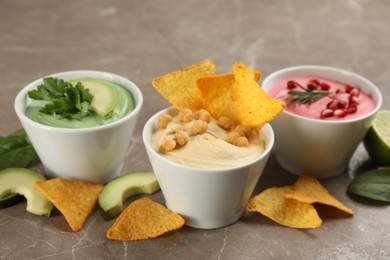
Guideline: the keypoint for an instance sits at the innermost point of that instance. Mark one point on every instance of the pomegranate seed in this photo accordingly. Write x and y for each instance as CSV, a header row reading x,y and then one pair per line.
x,y
354,100
313,87
327,112
348,88
345,89
351,109
342,104
337,104
355,92
291,84
340,113
333,104
325,86
314,81
314,84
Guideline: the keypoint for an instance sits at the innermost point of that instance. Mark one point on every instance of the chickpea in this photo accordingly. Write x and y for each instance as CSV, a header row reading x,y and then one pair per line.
x,y
202,115
185,115
226,122
163,121
199,127
245,130
232,136
168,144
181,137
241,141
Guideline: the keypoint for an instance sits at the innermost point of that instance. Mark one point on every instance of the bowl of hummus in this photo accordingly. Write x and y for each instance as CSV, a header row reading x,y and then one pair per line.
x,y
205,174
80,122
328,112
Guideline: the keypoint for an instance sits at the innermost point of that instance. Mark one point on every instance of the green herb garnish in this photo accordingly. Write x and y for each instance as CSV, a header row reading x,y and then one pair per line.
x,y
374,184
308,96
16,151
64,99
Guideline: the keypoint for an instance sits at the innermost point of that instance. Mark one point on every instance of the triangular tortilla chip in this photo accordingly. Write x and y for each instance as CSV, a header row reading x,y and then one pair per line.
x,y
218,93
144,219
241,98
74,198
309,190
287,212
256,107
179,87
214,87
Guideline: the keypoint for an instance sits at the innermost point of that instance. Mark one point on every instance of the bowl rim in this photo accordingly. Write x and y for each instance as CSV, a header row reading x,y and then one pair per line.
x,y
152,123
316,69
126,83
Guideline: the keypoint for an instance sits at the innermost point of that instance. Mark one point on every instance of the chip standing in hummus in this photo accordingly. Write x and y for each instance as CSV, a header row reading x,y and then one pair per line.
x,y
196,139
218,118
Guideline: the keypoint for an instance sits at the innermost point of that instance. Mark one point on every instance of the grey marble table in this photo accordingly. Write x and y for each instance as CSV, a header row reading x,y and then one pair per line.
x,y
144,39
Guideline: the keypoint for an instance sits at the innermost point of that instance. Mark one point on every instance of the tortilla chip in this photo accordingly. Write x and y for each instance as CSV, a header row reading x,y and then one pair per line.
x,y
309,190
257,75
74,198
217,93
179,88
240,98
287,212
144,219
214,87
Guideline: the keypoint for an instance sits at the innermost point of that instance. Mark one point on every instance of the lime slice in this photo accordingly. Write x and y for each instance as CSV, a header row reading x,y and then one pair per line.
x,y
377,139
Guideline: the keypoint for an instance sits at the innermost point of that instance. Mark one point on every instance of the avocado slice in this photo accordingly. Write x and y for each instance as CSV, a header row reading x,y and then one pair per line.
x,y
104,97
115,192
10,200
21,181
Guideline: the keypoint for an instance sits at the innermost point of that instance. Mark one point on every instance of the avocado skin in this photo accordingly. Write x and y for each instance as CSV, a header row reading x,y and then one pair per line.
x,y
10,200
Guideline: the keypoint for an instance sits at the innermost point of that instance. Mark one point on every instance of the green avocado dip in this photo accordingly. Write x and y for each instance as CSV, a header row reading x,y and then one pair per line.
x,y
109,102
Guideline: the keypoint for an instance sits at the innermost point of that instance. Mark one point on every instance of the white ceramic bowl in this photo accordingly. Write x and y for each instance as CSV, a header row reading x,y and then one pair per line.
x,y
206,198
94,154
321,148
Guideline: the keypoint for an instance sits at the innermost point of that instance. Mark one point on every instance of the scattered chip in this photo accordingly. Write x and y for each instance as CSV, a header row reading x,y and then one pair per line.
x,y
309,190
287,212
240,98
291,206
144,219
179,87
74,198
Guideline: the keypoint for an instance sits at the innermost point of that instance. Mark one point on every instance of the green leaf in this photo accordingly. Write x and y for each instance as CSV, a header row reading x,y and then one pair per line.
x,y
374,184
18,157
66,100
16,151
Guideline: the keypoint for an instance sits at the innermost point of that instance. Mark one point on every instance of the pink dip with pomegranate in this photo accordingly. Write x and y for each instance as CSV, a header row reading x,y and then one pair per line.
x,y
322,98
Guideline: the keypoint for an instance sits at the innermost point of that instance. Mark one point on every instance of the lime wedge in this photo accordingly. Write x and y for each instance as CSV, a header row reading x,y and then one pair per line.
x,y
377,139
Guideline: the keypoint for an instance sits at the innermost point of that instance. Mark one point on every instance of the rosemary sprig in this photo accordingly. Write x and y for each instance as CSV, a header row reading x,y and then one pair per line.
x,y
308,96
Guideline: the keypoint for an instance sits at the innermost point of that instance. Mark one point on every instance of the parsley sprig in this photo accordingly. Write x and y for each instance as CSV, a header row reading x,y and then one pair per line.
x,y
307,96
65,99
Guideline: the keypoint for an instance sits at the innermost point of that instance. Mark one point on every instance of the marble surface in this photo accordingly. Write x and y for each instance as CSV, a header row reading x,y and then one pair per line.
x,y
144,39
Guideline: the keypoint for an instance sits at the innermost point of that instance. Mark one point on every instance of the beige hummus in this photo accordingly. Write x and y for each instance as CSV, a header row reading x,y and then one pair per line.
x,y
209,149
